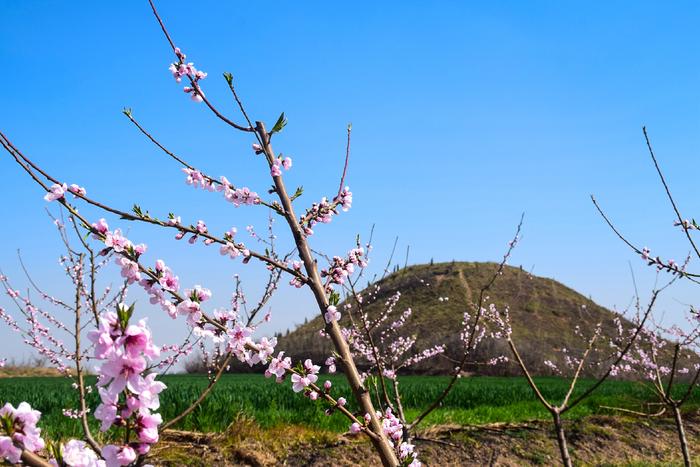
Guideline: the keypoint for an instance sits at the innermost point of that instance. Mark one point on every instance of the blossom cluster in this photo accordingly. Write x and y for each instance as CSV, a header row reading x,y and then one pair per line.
x,y
237,196
160,283
35,333
393,429
58,190
278,164
671,265
77,453
127,396
323,211
387,350
341,268
18,431
295,281
306,377
182,69
232,249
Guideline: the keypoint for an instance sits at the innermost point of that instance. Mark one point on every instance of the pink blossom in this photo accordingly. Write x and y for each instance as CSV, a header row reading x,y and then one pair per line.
x,y
117,456
278,366
299,382
229,249
56,192
24,434
76,453
104,344
147,426
116,241
196,178
199,293
77,190
355,428
169,281
345,199
101,226
182,69
265,348
239,336
195,93
148,389
332,314
123,371
137,340
311,368
106,412
130,269
191,309
406,450
391,426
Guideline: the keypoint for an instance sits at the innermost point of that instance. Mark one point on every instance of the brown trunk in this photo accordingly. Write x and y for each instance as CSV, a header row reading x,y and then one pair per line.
x,y
681,435
380,441
561,439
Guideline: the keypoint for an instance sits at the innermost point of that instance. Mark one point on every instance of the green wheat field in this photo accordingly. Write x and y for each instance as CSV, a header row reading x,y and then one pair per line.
x,y
474,401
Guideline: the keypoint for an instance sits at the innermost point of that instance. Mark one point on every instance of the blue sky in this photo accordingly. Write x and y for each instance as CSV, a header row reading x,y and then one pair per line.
x,y
464,115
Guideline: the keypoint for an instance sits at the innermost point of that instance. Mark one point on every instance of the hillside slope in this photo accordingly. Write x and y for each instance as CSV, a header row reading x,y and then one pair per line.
x,y
544,314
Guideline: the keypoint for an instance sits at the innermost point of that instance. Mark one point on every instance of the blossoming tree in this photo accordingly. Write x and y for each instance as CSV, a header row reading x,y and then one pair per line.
x,y
651,353
125,362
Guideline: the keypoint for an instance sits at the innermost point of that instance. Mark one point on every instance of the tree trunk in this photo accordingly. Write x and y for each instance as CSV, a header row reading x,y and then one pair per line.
x,y
380,441
561,439
681,435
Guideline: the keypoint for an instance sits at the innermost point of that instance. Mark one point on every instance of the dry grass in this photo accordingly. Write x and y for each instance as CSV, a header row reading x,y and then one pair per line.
x,y
609,441
19,371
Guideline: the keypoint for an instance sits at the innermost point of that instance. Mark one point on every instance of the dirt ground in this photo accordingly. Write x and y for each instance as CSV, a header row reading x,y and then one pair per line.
x,y
599,441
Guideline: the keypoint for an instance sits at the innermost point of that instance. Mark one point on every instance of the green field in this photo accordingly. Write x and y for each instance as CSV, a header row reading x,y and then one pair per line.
x,y
475,400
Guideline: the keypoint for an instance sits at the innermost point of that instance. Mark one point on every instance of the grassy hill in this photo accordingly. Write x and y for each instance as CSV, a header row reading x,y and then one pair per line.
x,y
544,314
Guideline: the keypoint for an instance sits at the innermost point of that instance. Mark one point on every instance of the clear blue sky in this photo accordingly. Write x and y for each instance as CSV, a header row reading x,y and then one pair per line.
x,y
464,115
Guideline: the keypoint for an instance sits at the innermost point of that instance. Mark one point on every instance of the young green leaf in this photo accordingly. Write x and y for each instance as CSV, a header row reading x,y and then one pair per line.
x,y
281,123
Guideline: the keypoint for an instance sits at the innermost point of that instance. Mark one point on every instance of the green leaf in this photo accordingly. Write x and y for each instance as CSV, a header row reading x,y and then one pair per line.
x,y
298,193
127,111
334,298
130,311
124,314
228,77
281,123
